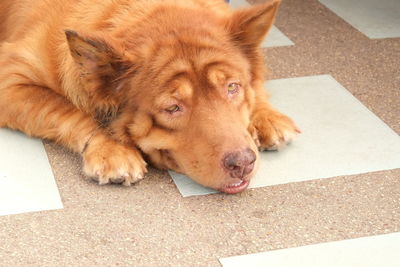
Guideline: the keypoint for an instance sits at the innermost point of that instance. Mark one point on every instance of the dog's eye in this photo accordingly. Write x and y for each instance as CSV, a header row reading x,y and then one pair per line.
x,y
233,88
173,109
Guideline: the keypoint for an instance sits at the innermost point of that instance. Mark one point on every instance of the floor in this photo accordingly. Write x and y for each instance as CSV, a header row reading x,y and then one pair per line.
x,y
151,224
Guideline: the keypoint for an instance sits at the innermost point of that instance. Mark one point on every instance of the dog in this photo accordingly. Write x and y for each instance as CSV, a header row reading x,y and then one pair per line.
x,y
175,83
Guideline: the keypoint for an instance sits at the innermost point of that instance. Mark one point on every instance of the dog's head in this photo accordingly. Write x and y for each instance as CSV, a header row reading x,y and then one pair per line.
x,y
182,81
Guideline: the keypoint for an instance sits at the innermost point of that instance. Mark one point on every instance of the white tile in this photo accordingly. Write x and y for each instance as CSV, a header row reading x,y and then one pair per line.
x,y
238,3
370,251
274,38
340,136
375,19
187,187
26,180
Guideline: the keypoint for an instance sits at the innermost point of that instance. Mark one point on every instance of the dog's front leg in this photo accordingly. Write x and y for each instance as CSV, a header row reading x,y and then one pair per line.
x,y
270,129
40,112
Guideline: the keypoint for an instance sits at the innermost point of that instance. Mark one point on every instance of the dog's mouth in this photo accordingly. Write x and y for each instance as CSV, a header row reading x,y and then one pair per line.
x,y
235,188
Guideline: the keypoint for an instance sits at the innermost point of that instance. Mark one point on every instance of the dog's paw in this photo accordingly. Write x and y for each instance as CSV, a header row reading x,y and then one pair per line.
x,y
110,162
272,130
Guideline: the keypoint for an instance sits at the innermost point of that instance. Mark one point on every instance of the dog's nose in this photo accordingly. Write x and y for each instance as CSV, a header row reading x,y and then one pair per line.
x,y
239,163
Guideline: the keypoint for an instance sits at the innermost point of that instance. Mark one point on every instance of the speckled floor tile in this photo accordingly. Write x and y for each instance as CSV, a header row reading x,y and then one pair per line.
x,y
150,224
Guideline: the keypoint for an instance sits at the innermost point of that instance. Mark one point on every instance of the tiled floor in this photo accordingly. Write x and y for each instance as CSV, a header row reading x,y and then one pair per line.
x,y
151,224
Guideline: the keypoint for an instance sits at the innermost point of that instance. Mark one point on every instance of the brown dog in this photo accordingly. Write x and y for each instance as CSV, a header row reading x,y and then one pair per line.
x,y
179,82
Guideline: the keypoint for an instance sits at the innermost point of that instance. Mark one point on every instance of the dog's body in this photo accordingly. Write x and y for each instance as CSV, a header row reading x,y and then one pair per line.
x,y
179,81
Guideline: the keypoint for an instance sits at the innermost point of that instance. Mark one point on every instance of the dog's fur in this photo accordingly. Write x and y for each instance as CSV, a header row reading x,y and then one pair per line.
x,y
179,82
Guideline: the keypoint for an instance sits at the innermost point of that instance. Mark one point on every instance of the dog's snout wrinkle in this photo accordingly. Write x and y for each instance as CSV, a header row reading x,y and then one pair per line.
x,y
239,163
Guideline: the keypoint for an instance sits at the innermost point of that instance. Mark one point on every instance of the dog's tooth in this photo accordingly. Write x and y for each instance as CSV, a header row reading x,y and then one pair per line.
x,y
235,184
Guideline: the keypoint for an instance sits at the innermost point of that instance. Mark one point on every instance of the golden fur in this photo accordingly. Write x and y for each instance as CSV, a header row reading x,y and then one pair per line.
x,y
178,82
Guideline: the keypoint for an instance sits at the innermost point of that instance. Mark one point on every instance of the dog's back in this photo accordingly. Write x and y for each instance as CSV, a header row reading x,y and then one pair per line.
x,y
34,29
5,8
20,18
21,15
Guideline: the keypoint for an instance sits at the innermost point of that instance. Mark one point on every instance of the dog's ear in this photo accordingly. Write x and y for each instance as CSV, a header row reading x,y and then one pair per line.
x,y
94,56
249,26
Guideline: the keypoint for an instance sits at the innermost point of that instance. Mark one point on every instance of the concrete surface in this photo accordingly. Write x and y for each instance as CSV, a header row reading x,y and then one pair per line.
x,y
150,224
